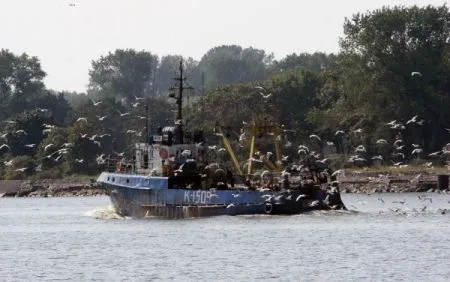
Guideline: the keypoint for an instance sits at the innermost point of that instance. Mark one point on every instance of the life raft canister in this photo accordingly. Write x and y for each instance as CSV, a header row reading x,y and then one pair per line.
x,y
163,153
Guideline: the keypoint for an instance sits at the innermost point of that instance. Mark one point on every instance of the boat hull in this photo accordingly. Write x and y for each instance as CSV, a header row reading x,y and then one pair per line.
x,y
133,198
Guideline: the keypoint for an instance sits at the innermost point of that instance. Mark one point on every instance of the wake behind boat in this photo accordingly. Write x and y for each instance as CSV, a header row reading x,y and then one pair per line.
x,y
172,178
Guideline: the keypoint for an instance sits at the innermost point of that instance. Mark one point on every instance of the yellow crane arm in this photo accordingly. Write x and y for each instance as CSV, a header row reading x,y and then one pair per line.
x,y
252,149
270,164
231,152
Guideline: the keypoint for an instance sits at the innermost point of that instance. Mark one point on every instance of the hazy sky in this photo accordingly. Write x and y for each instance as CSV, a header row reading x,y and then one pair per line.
x,y
67,38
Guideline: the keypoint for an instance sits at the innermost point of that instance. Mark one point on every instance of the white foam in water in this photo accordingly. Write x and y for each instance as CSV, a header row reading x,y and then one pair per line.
x,y
108,212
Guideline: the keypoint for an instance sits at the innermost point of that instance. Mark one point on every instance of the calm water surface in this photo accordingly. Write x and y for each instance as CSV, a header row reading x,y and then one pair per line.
x,y
82,239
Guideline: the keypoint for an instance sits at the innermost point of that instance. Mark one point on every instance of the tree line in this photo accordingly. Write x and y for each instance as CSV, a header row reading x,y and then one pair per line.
x,y
389,81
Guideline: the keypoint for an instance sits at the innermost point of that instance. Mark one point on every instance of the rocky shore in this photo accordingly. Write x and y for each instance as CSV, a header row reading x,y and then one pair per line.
x,y
49,188
392,183
349,183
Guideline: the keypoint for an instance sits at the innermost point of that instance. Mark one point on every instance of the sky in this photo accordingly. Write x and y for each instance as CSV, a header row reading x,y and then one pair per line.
x,y
67,35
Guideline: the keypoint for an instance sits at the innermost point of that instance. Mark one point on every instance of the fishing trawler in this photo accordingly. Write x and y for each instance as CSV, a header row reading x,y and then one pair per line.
x,y
172,178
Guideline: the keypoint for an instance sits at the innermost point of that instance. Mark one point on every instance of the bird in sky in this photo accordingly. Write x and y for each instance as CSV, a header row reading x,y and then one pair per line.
x,y
397,141
48,147
420,122
314,136
122,114
416,73
21,131
66,145
96,103
413,119
4,146
391,123
186,153
265,96
41,110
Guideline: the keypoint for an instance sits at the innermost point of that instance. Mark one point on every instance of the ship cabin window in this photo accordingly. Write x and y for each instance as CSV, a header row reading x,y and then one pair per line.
x,y
146,160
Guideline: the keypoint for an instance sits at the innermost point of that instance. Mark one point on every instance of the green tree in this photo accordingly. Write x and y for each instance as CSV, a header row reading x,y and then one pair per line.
x,y
21,80
394,64
228,64
123,74
25,132
317,62
295,94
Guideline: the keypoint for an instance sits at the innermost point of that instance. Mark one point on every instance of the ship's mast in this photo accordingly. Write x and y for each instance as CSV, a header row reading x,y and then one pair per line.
x,y
179,85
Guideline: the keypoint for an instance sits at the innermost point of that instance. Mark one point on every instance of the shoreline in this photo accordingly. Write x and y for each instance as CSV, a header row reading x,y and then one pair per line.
x,y
410,182
349,184
49,188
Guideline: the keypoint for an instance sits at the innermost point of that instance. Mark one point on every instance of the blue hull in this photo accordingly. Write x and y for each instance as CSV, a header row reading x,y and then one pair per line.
x,y
145,196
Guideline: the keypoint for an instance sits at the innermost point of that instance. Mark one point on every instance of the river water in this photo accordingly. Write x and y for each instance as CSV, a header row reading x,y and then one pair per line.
x,y
385,237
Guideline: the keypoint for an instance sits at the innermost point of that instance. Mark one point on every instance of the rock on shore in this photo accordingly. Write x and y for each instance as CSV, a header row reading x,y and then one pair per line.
x,y
49,188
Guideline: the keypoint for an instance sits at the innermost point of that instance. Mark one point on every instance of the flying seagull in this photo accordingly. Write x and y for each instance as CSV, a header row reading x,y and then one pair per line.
x,y
122,114
21,131
413,119
315,137
96,103
5,146
265,96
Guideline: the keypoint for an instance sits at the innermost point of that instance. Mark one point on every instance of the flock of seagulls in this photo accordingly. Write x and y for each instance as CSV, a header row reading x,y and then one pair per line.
x,y
397,152
400,151
55,151
410,207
